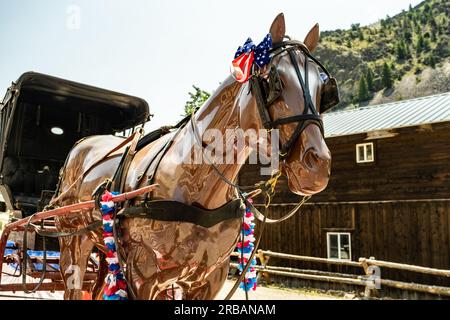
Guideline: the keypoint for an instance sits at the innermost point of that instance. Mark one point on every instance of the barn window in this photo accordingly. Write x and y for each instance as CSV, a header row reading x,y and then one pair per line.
x,y
339,245
365,153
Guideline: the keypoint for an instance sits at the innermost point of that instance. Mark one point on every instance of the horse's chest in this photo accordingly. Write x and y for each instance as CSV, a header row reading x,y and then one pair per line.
x,y
178,244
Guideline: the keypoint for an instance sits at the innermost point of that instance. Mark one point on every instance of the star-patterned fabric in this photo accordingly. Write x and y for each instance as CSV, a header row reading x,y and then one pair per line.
x,y
262,50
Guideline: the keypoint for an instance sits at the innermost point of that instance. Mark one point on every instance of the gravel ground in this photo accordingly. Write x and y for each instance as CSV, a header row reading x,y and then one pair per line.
x,y
273,293
261,293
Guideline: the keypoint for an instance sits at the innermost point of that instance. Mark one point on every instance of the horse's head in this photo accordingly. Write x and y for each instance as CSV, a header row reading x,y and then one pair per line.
x,y
293,89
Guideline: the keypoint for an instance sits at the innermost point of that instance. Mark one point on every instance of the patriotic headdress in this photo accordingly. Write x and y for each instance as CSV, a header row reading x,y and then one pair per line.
x,y
250,54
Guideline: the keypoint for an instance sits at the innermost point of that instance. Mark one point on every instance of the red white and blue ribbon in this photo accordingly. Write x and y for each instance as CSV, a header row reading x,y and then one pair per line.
x,y
247,55
245,248
116,287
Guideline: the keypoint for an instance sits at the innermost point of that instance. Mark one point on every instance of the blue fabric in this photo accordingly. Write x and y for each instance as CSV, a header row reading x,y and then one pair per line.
x,y
37,266
248,286
40,266
105,209
40,254
9,251
111,246
252,264
33,253
114,267
262,50
107,227
10,244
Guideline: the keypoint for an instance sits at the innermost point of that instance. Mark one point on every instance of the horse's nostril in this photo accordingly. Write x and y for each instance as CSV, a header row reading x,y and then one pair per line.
x,y
311,159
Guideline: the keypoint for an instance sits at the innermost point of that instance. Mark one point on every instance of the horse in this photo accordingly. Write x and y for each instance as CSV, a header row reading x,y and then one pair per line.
x,y
191,260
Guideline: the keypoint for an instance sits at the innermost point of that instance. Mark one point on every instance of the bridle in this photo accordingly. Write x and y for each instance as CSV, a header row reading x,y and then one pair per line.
x,y
268,92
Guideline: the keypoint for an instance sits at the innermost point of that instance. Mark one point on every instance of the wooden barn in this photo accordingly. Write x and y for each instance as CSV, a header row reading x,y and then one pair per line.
x,y
388,197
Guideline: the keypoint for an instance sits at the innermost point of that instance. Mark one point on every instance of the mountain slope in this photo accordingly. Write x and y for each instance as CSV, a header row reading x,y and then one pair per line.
x,y
402,57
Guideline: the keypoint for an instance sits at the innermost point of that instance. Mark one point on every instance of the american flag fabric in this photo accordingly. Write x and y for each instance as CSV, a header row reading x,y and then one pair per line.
x,y
248,54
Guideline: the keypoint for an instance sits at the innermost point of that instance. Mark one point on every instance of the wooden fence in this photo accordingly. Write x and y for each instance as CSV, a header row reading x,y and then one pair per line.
x,y
371,280
413,232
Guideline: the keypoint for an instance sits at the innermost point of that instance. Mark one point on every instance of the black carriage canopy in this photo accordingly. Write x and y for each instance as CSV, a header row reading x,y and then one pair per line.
x,y
42,117
51,110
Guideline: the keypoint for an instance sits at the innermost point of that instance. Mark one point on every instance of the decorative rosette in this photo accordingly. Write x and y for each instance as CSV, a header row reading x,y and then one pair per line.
x,y
250,54
116,287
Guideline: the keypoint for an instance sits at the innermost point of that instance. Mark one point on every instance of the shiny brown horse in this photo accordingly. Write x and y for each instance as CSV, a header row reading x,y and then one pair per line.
x,y
191,258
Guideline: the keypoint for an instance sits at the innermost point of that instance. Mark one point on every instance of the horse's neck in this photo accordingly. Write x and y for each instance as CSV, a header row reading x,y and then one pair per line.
x,y
197,182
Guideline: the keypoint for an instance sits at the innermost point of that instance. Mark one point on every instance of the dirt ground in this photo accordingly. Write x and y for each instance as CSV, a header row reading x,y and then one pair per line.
x,y
274,293
261,293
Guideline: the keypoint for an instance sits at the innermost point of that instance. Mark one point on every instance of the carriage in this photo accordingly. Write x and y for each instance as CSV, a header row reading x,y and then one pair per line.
x,y
41,118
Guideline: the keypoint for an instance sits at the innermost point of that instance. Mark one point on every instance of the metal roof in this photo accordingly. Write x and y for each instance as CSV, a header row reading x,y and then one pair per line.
x,y
400,114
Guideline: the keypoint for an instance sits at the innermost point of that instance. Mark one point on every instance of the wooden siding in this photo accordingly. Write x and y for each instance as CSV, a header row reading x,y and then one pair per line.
x,y
415,233
415,164
396,209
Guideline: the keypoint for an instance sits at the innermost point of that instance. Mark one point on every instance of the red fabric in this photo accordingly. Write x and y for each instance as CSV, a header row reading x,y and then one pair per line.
x,y
107,196
242,66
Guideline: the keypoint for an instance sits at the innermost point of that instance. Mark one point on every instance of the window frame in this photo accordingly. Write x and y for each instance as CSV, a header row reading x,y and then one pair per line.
x,y
338,234
365,146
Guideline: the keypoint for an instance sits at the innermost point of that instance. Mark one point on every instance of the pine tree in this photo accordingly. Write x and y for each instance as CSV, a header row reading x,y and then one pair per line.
x,y
420,44
433,35
369,78
387,76
363,92
360,35
400,51
407,50
408,36
433,62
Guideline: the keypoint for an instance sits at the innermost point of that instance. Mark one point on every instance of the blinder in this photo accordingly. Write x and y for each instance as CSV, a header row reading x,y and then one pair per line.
x,y
268,92
330,95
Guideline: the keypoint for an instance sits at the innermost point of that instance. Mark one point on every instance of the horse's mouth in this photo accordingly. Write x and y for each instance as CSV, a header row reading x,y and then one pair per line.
x,y
305,182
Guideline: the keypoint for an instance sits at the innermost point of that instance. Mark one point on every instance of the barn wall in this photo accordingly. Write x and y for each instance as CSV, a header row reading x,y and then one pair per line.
x,y
396,209
415,164
415,233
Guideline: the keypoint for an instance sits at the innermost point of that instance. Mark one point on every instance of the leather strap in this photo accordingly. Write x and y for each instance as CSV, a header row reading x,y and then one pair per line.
x,y
164,210
260,102
263,218
84,174
299,118
126,162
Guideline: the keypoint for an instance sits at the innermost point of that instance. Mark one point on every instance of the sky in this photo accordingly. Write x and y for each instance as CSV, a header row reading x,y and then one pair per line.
x,y
157,49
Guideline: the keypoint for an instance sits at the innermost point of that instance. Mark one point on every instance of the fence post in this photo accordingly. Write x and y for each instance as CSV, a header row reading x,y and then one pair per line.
x,y
372,279
264,262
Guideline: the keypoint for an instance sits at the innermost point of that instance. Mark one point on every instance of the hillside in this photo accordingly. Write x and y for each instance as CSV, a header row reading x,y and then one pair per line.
x,y
400,57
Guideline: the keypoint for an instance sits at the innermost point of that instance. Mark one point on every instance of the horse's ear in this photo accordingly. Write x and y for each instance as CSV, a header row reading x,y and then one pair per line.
x,y
278,29
312,39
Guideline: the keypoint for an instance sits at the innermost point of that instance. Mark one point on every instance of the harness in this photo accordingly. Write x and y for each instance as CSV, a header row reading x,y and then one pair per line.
x,y
266,94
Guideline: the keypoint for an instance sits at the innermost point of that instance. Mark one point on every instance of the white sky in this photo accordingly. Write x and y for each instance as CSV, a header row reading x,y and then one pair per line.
x,y
156,49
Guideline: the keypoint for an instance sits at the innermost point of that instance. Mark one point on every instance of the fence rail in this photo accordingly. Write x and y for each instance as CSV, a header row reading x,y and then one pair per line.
x,y
370,281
